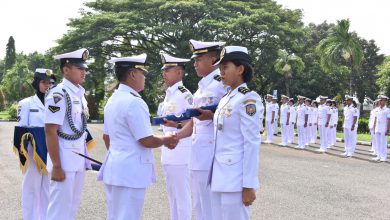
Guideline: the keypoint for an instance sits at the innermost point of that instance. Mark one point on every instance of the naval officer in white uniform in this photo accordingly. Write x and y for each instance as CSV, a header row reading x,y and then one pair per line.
x,y
234,174
175,162
65,127
31,113
128,168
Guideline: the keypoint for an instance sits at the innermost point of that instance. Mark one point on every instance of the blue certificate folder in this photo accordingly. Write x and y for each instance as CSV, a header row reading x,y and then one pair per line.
x,y
188,114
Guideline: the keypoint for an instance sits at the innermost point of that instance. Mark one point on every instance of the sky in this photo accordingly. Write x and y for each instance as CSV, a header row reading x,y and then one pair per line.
x,y
37,24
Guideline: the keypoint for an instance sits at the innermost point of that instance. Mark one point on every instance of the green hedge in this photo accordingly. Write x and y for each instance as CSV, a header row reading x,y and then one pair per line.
x,y
362,127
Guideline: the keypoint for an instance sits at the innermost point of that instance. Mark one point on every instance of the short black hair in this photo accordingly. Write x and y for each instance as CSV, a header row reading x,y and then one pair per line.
x,y
121,73
247,75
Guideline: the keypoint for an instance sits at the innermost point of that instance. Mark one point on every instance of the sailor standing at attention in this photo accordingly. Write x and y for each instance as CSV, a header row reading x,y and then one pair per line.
x,y
284,119
234,173
31,113
175,162
65,127
209,93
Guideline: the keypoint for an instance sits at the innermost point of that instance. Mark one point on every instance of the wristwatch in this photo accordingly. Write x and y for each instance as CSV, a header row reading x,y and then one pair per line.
x,y
179,125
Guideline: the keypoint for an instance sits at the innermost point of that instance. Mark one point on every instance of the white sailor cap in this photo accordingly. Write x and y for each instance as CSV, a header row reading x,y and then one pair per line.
x,y
171,61
45,74
233,53
300,97
323,97
77,58
284,97
383,97
274,97
137,62
307,99
268,95
347,97
200,47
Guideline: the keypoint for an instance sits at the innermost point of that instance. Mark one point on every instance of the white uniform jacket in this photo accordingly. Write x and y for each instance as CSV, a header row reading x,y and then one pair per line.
x,y
323,111
55,103
177,100
126,121
349,113
210,91
371,121
284,110
302,111
382,114
31,112
269,108
237,141
293,114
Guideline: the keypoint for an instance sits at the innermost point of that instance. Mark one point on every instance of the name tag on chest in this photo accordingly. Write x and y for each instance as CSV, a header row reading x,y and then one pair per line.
x,y
76,102
34,110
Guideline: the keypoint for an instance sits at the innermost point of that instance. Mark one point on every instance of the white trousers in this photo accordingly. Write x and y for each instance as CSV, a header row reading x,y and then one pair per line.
x,y
373,141
349,140
64,197
177,179
301,136
313,133
323,136
275,130
331,136
285,133
381,141
270,131
201,194
35,191
307,134
229,206
124,203
290,129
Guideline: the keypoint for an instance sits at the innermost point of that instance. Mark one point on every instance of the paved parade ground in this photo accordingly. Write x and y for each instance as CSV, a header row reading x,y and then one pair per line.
x,y
295,184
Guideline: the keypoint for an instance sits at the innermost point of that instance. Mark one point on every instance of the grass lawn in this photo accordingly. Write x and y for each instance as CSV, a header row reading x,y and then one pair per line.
x,y
361,137
4,115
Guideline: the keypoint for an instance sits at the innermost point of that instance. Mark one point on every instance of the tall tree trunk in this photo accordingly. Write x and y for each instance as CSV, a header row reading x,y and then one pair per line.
x,y
287,83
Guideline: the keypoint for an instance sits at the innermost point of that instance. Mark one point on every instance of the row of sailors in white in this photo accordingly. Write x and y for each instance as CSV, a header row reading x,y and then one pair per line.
x,y
305,116
379,124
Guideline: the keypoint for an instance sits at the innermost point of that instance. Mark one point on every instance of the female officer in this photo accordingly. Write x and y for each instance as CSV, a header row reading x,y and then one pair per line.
x,y
35,186
234,172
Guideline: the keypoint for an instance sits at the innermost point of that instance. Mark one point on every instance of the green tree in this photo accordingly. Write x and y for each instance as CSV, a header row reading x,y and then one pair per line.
x,y
16,83
384,77
341,48
287,64
10,54
367,75
2,69
122,28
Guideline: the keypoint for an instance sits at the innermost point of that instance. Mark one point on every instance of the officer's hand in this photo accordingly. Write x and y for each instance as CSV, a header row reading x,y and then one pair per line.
x,y
169,123
352,128
326,125
248,196
58,174
171,141
205,114
305,125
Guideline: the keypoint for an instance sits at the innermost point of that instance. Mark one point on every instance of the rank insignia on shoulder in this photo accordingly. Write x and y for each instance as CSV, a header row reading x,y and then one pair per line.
x,y
182,89
250,109
218,78
243,90
54,109
57,97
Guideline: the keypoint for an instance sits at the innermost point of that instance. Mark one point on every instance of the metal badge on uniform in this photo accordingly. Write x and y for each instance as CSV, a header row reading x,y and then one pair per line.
x,y
250,109
34,110
54,109
57,97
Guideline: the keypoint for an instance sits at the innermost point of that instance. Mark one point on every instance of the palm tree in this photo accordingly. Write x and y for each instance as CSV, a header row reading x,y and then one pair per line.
x,y
286,64
341,46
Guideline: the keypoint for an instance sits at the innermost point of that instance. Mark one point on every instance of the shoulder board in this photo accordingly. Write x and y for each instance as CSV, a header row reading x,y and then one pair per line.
x,y
217,77
182,89
135,95
243,90
49,90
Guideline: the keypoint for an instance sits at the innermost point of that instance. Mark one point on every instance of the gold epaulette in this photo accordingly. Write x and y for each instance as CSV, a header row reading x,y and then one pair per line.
x,y
243,90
